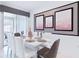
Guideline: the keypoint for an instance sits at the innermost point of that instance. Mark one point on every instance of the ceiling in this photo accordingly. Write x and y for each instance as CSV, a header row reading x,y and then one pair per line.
x,y
34,5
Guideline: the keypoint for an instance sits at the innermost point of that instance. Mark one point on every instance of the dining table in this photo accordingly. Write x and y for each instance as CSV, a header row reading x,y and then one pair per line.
x,y
33,45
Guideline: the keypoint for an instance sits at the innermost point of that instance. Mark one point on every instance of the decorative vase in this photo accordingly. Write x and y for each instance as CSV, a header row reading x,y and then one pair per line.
x,y
30,34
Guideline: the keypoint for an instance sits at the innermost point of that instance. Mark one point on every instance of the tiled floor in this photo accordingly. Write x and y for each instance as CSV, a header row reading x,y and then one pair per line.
x,y
28,53
7,52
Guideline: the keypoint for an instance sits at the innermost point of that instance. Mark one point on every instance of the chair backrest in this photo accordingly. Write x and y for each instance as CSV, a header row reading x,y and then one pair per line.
x,y
53,51
17,34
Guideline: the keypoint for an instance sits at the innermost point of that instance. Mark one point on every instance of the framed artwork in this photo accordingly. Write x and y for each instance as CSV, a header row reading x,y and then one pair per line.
x,y
49,21
64,20
39,22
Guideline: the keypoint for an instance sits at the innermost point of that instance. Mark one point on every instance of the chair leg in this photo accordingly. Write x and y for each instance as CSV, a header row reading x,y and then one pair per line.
x,y
38,56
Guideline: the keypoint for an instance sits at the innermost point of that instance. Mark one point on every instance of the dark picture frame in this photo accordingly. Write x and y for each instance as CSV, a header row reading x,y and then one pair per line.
x,y
39,22
56,24
49,21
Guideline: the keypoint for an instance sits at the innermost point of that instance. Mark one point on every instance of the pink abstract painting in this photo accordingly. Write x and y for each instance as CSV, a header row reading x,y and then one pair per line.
x,y
39,22
48,22
63,20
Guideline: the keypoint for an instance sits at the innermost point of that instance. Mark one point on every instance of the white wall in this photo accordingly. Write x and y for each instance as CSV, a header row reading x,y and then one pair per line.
x,y
1,34
69,45
51,5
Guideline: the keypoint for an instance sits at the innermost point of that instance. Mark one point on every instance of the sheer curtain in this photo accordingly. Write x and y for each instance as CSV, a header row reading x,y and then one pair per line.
x,y
8,33
21,24
13,23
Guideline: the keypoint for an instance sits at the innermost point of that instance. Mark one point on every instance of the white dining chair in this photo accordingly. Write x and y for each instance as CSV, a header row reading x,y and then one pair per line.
x,y
19,49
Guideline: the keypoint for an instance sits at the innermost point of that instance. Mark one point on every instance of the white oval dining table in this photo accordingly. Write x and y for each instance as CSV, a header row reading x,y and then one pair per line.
x,y
31,48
